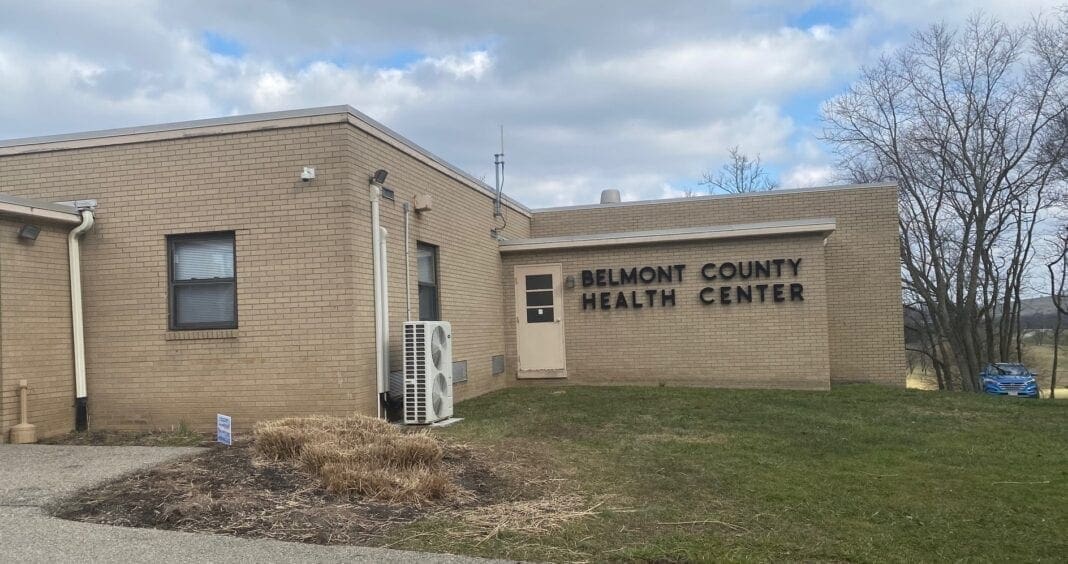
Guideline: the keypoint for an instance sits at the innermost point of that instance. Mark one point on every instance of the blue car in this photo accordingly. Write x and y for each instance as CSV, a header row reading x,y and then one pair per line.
x,y
1009,379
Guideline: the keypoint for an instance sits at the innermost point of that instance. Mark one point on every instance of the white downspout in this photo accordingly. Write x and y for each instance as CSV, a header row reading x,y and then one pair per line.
x,y
379,290
407,263
383,273
81,400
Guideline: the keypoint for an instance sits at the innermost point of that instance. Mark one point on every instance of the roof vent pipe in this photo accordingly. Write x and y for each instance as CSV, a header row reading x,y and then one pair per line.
x,y
610,196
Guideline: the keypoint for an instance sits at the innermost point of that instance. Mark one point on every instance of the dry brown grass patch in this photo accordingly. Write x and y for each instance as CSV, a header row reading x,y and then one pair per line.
x,y
361,456
533,517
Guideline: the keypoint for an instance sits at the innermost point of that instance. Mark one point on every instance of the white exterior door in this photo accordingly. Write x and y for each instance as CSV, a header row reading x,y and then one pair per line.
x,y
540,321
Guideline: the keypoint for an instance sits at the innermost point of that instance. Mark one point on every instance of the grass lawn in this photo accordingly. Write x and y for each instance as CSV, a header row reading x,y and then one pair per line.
x,y
861,473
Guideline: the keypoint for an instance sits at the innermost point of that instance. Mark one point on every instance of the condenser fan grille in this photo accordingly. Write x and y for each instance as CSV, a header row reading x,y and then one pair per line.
x,y
437,347
438,393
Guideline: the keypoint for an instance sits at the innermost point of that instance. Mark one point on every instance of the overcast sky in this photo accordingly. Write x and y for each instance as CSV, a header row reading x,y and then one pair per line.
x,y
639,96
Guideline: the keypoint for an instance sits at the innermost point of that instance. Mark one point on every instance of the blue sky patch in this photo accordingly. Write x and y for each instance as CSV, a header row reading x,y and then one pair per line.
x,y
400,59
222,45
804,107
834,14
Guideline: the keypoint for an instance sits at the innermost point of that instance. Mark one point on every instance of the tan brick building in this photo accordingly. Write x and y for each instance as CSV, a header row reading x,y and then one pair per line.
x,y
215,280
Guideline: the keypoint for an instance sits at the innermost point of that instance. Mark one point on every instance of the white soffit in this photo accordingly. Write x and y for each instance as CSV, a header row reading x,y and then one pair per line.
x,y
35,209
776,228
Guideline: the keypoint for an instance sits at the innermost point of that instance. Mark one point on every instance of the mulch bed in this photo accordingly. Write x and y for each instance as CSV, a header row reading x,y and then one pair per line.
x,y
232,491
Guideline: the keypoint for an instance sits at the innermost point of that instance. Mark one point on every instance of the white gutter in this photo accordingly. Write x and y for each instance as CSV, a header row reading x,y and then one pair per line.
x,y
81,400
42,213
378,267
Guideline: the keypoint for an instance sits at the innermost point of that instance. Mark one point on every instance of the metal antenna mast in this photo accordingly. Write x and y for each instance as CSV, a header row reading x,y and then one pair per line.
x,y
498,173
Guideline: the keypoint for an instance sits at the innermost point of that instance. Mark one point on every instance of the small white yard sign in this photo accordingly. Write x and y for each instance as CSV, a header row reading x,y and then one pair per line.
x,y
222,429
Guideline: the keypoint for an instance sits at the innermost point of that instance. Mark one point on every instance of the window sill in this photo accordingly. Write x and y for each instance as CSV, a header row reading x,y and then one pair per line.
x,y
201,334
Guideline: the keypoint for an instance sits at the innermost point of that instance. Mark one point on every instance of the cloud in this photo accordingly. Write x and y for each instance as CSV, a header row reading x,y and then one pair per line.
x,y
806,176
380,92
925,12
770,65
469,65
643,97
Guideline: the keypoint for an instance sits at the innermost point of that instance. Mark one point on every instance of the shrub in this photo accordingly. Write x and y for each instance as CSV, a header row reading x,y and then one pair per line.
x,y
360,456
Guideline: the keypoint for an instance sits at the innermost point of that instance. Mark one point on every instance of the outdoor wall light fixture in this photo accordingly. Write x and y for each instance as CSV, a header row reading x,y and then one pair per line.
x,y
29,232
379,177
569,282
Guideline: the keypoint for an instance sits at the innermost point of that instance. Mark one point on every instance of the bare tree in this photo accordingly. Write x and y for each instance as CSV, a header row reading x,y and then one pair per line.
x,y
1055,149
1057,264
1058,279
739,175
963,119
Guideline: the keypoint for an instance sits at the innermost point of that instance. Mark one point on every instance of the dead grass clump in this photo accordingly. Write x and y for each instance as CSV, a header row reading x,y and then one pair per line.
x,y
533,517
386,484
361,456
283,439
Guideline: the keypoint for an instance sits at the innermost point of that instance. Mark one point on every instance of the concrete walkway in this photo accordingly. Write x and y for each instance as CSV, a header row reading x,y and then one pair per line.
x,y
32,476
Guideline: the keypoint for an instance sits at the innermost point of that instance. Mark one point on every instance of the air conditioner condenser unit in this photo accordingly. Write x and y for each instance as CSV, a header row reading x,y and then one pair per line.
x,y
427,372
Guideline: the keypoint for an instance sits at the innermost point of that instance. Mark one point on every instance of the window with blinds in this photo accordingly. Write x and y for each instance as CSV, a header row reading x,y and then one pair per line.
x,y
426,256
203,285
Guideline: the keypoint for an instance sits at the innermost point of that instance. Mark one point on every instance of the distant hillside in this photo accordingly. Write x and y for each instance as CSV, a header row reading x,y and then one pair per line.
x,y
1035,313
1038,313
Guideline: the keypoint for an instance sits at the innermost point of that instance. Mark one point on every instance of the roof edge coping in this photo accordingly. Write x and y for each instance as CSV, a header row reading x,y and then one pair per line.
x,y
778,192
245,123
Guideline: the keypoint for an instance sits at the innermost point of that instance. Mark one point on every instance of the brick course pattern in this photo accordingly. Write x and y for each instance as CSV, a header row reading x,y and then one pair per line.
x,y
35,328
305,341
740,345
863,275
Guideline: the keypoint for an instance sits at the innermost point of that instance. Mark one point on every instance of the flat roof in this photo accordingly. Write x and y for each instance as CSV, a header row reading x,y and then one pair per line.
x,y
251,122
336,114
776,192
736,231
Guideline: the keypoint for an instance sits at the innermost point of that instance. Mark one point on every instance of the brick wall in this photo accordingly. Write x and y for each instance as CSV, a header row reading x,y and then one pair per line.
x,y
305,343
296,274
863,274
35,329
469,269
306,338
743,345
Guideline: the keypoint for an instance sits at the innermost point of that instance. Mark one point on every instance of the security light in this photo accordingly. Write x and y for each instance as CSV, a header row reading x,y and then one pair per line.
x,y
380,176
29,232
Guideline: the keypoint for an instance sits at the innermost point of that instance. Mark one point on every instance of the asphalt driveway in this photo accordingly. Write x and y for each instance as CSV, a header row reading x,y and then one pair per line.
x,y
32,476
